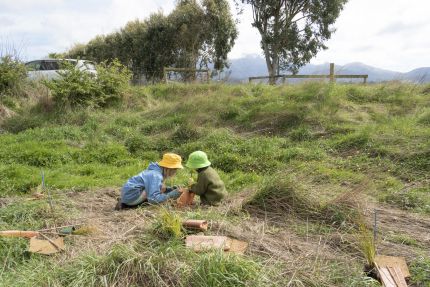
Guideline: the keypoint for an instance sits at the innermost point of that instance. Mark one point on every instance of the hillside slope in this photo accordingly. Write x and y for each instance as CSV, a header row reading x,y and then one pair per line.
x,y
304,166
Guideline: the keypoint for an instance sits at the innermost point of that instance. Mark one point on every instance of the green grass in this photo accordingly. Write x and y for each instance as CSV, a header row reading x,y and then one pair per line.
x,y
420,271
303,149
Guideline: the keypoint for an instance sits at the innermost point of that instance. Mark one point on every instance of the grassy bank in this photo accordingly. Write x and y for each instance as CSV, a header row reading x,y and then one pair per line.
x,y
297,151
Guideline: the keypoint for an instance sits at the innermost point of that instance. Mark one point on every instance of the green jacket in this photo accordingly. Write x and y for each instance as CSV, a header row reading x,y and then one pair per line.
x,y
209,186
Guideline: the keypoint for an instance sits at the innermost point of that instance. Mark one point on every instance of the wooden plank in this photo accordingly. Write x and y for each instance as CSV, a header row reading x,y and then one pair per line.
x,y
237,246
398,277
391,261
45,247
204,243
385,277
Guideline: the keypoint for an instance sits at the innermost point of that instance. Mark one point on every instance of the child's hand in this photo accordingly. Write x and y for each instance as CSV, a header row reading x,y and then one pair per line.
x,y
163,188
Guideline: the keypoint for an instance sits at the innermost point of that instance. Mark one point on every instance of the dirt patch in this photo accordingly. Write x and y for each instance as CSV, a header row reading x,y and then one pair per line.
x,y
414,226
96,209
274,239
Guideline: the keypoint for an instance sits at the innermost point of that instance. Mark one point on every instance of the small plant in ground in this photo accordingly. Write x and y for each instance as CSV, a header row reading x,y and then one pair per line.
x,y
366,244
168,225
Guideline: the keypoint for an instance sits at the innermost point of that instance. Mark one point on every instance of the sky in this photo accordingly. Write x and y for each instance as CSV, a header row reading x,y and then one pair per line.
x,y
389,34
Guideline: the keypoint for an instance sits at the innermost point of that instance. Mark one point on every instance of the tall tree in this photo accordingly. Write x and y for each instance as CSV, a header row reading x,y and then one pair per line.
x,y
293,31
195,33
205,33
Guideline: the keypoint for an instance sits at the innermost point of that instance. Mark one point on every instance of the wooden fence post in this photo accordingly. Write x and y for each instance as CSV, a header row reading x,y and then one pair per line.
x,y
331,72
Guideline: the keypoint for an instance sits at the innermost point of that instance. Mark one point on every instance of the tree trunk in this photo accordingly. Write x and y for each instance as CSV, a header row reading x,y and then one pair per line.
x,y
271,65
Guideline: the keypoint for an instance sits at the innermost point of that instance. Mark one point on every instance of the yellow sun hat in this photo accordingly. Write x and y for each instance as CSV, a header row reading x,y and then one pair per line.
x,y
171,160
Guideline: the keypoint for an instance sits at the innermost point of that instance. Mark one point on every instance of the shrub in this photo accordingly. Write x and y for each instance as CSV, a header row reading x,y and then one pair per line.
x,y
12,73
80,88
113,80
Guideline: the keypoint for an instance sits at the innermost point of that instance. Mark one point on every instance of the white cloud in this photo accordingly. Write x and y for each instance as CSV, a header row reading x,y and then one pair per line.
x,y
391,34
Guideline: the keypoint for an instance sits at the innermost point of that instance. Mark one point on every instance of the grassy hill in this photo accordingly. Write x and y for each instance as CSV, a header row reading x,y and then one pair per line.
x,y
304,165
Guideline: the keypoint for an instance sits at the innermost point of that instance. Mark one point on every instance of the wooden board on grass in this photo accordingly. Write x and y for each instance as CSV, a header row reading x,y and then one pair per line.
x,y
204,243
42,246
391,277
237,246
391,261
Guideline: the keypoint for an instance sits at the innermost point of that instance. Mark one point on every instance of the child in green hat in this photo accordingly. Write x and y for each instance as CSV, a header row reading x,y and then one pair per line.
x,y
209,185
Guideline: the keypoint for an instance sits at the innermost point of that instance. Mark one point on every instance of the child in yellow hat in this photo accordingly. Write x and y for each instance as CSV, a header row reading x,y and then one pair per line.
x,y
148,186
209,185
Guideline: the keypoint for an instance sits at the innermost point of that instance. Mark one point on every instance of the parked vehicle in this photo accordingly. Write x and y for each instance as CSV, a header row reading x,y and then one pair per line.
x,y
48,69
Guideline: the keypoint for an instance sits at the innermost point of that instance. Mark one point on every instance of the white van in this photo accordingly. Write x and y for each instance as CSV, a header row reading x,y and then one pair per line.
x,y
48,69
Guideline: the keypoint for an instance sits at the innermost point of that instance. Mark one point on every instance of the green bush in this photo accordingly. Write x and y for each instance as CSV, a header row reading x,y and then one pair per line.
x,y
113,79
80,88
12,74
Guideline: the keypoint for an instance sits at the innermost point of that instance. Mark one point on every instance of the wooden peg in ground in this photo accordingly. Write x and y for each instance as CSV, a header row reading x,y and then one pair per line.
x,y
195,224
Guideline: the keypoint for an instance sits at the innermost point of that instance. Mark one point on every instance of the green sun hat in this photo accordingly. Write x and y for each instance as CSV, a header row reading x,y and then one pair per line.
x,y
197,159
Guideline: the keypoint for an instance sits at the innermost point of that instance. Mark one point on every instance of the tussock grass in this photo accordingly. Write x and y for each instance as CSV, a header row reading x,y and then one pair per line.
x,y
281,195
366,244
168,225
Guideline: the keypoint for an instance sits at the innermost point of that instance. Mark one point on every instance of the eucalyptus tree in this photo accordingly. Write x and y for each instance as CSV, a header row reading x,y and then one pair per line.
x,y
293,31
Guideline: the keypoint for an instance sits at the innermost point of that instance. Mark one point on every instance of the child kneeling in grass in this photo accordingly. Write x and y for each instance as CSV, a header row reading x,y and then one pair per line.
x,y
209,185
148,186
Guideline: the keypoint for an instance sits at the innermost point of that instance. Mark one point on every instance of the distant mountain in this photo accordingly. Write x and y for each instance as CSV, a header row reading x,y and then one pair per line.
x,y
243,68
420,75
